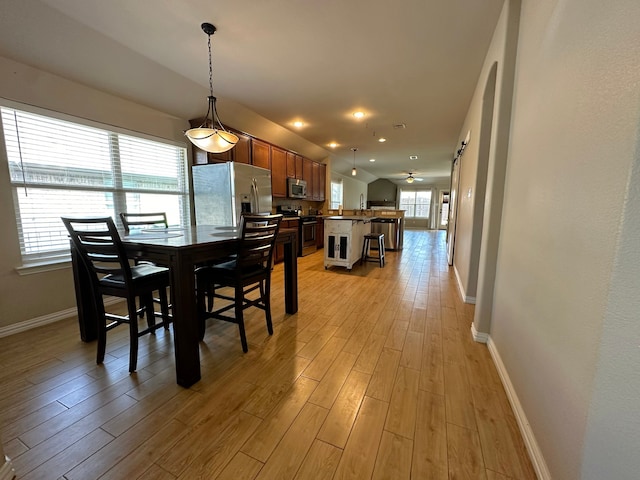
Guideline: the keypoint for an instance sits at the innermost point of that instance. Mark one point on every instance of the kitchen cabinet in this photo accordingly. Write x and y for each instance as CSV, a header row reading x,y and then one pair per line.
x,y
343,240
321,186
278,253
291,165
260,154
299,167
242,150
315,179
278,172
307,176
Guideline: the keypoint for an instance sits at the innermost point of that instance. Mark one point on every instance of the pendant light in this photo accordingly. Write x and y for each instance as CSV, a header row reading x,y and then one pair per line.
x,y
353,170
211,136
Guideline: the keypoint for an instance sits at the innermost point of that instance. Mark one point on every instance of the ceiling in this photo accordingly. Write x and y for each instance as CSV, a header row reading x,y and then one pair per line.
x,y
411,62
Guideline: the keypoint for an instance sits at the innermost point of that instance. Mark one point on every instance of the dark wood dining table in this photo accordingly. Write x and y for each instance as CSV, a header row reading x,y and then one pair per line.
x,y
181,249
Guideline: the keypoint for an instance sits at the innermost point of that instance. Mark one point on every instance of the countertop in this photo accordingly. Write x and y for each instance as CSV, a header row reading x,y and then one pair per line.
x,y
361,218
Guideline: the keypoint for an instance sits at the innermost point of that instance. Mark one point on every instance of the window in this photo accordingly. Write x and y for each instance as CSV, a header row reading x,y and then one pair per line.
x,y
416,203
62,168
336,194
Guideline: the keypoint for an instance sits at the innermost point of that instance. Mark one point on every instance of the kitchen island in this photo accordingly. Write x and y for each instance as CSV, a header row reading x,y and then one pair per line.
x,y
343,239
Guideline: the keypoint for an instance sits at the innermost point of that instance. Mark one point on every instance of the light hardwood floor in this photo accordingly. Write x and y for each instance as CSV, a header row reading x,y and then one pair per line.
x,y
375,377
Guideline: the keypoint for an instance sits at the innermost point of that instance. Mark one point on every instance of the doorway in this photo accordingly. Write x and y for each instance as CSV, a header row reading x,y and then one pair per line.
x,y
443,211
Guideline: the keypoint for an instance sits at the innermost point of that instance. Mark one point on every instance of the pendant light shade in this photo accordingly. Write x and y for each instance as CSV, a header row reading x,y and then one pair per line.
x,y
354,172
211,136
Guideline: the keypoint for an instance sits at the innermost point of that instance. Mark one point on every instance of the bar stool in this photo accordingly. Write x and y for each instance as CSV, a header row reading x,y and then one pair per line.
x,y
367,245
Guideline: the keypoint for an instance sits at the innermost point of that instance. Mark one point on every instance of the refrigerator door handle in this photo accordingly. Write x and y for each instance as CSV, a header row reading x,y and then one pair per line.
x,y
256,196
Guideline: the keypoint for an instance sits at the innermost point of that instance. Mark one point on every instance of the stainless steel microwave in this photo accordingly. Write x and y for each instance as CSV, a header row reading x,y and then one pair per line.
x,y
296,188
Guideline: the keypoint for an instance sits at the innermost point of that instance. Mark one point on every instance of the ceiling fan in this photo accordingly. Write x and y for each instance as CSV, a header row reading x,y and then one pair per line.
x,y
411,178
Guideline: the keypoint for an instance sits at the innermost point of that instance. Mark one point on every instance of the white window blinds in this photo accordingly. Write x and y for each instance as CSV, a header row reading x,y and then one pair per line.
x,y
415,203
61,168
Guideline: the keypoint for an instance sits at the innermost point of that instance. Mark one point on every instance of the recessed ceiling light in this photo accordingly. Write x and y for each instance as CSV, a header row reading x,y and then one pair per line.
x,y
382,139
413,157
372,160
333,144
358,114
298,124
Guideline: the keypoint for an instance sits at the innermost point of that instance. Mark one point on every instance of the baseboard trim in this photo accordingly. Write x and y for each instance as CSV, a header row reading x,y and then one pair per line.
x,y
463,294
47,319
479,337
535,454
6,470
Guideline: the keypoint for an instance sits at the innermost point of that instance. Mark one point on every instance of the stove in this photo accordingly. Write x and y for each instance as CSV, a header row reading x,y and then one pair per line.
x,y
307,229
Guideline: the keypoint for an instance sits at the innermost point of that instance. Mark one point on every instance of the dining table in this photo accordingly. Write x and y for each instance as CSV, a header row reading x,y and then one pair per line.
x,y
182,249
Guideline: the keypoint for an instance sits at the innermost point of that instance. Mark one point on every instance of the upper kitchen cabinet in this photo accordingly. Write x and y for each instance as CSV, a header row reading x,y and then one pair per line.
x,y
242,150
278,172
307,176
260,153
291,165
299,167
320,181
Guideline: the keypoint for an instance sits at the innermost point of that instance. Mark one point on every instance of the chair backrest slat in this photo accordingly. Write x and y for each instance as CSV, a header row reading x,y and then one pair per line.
x,y
143,220
258,239
99,245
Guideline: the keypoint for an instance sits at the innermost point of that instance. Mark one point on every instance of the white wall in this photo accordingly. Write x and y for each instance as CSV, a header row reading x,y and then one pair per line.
x,y
352,188
565,318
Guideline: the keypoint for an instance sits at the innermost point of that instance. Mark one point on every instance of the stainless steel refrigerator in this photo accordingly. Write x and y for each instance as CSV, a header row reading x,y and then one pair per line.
x,y
223,191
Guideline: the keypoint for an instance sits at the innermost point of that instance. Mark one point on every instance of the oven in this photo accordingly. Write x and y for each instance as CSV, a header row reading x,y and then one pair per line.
x,y
307,234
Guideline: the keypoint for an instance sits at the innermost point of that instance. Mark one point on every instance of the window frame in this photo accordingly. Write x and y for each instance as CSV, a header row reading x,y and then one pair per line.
x,y
415,192
331,200
115,191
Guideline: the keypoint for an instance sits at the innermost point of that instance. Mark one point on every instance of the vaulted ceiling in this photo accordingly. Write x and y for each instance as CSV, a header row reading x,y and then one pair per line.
x,y
410,65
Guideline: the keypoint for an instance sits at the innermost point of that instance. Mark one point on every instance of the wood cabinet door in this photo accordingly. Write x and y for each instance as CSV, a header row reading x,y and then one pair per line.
x,y
291,165
278,172
299,167
316,181
242,150
322,182
260,154
307,176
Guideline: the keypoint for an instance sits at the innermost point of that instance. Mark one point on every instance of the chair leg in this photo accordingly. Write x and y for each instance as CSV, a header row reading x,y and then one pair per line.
x,y
164,307
102,329
133,334
201,292
363,258
147,299
266,299
239,311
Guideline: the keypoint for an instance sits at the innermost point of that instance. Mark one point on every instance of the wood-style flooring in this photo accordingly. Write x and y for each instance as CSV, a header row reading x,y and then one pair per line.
x,y
375,377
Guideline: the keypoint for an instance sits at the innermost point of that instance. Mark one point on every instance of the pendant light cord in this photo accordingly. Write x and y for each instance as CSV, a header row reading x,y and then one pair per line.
x,y
210,66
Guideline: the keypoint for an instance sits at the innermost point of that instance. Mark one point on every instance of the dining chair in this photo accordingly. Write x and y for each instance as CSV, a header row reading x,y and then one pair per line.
x,y
141,220
99,246
131,221
249,271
